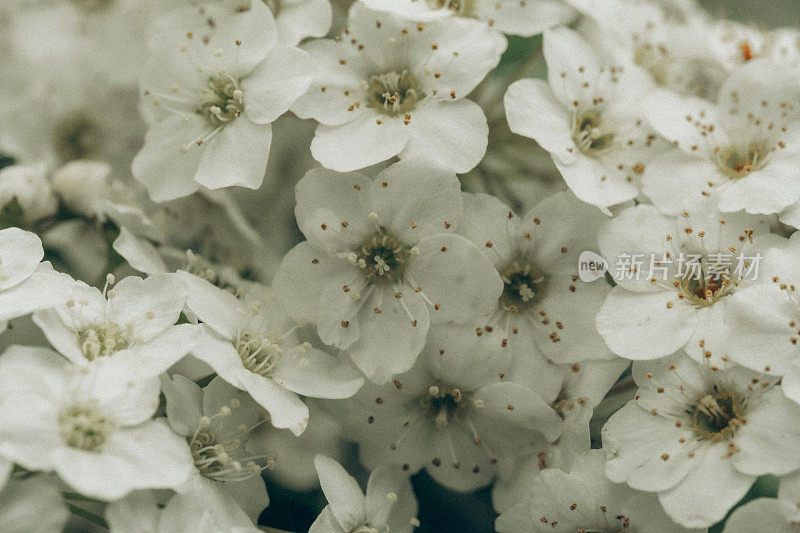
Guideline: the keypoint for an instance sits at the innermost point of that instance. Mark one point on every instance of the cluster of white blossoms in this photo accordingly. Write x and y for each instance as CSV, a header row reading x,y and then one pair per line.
x,y
363,255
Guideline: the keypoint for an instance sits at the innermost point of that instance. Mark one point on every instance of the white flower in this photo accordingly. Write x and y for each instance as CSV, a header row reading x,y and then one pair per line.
x,y
666,41
296,19
699,437
583,499
382,262
28,185
464,406
544,306
584,386
292,457
107,35
738,154
763,320
253,345
777,515
59,110
212,90
588,118
389,503
197,508
92,428
217,421
26,285
131,324
734,44
82,185
674,277
85,188
390,87
210,223
507,16
32,505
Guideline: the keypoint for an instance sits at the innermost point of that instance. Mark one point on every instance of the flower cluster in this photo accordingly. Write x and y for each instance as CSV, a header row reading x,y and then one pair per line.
x,y
547,248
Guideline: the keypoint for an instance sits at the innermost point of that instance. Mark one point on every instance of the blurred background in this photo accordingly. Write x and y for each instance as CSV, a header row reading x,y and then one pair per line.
x,y
769,13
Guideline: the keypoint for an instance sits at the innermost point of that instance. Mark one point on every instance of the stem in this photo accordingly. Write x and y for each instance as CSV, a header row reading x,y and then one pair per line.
x,y
86,515
79,497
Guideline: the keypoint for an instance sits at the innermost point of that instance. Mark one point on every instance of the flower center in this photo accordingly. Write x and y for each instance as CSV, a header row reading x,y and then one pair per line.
x,y
211,457
383,258
705,287
589,135
84,426
686,77
656,60
717,415
260,353
737,163
222,279
442,404
523,286
216,459
394,93
77,137
104,339
221,100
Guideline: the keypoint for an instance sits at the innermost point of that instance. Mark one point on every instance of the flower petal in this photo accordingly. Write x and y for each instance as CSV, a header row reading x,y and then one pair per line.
x,y
275,83
453,134
362,142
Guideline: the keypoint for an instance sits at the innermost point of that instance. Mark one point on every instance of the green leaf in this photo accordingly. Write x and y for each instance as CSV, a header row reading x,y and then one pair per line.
x,y
11,215
5,161
87,515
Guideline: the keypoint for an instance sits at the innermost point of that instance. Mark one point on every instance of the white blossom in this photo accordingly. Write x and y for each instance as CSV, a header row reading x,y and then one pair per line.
x,y
212,90
699,437
291,457
583,387
390,87
589,117
382,262
507,16
583,499
295,19
132,323
388,505
544,304
762,321
26,284
217,421
668,42
29,186
253,345
740,154
198,508
93,428
674,278
33,504
462,409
